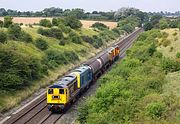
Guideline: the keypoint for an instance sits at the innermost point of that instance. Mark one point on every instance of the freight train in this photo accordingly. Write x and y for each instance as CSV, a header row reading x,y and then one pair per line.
x,y
68,88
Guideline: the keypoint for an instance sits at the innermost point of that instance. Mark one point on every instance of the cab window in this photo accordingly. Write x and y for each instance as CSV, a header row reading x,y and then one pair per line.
x,y
61,91
50,91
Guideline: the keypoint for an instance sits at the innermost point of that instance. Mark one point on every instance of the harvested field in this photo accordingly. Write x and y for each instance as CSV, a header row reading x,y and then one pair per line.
x,y
32,20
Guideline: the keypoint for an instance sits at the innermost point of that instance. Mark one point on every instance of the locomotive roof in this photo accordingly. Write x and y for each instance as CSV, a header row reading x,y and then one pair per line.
x,y
81,69
64,82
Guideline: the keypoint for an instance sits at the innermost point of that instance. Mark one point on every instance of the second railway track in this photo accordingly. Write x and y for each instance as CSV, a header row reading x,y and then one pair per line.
x,y
37,113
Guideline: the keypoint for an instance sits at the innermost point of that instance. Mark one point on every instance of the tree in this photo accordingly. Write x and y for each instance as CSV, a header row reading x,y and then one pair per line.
x,y
125,12
73,22
41,44
7,21
148,26
45,23
1,24
14,31
155,19
78,13
3,37
163,23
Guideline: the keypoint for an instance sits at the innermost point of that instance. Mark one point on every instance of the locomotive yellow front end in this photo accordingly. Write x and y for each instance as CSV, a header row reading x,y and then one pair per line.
x,y
56,98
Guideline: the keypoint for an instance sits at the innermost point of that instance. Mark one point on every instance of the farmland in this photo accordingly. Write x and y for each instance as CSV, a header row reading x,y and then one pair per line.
x,y
32,20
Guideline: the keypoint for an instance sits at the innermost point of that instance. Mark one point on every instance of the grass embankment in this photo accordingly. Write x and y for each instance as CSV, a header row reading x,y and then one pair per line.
x,y
171,51
27,68
133,91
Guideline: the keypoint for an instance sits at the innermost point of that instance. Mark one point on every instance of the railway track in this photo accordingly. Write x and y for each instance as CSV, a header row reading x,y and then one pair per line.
x,y
37,113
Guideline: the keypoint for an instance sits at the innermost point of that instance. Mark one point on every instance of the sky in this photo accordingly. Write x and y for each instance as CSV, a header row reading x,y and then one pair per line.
x,y
90,5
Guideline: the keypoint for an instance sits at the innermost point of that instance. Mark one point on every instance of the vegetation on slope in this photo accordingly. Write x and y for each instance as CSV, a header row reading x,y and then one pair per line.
x,y
32,57
132,92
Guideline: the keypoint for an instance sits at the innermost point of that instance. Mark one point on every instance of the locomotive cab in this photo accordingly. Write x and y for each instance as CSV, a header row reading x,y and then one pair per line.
x,y
56,98
62,93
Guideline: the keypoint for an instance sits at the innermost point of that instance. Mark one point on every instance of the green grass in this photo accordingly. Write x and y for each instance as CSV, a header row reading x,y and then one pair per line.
x,y
173,85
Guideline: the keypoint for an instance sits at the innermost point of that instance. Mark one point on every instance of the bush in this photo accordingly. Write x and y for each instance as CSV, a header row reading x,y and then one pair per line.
x,y
3,37
7,21
127,28
73,22
58,21
41,44
166,43
97,41
175,33
18,69
1,24
169,65
148,26
64,28
155,109
55,58
53,32
14,32
26,37
45,23
75,38
178,55
99,26
87,39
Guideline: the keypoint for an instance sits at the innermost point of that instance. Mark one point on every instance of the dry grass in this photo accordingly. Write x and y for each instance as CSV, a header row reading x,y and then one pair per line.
x,y
174,47
32,20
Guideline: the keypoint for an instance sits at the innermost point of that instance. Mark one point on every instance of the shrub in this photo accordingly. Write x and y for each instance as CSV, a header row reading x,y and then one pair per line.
x,y
97,41
171,49
148,26
1,24
99,25
155,109
31,26
41,44
58,21
87,39
53,32
127,28
26,37
64,28
18,69
75,38
169,65
45,23
178,55
62,42
3,37
73,22
166,43
14,32
7,21
55,58
175,34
